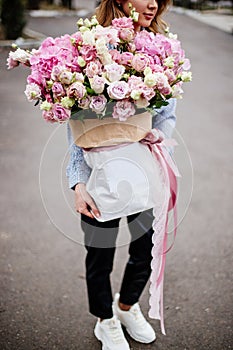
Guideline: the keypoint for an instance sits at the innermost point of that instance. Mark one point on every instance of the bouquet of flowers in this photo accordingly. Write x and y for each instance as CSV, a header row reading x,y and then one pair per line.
x,y
107,71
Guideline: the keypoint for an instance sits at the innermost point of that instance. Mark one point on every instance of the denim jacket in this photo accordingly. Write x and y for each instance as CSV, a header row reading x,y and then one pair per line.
x,y
78,171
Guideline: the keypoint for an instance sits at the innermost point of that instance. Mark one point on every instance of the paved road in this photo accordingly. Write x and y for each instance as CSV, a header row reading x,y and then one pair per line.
x,y
43,295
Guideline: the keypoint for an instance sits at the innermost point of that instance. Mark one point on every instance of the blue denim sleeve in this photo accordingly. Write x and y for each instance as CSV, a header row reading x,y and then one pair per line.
x,y
164,118
77,170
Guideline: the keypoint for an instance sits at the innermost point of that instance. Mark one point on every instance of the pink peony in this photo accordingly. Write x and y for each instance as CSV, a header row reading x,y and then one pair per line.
x,y
123,22
162,84
98,104
88,53
123,110
116,56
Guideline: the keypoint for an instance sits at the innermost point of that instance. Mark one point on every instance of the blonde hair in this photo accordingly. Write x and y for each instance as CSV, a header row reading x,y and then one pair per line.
x,y
108,10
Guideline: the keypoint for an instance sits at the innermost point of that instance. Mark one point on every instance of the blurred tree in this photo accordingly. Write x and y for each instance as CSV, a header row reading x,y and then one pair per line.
x,y
13,19
67,3
33,4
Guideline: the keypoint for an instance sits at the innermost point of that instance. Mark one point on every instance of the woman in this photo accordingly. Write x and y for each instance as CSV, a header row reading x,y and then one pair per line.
x,y
100,237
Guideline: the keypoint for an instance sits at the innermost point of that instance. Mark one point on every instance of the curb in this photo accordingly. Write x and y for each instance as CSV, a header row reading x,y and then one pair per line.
x,y
212,19
34,39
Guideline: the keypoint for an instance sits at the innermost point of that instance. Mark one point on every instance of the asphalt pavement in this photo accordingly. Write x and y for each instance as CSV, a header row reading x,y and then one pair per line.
x,y
43,302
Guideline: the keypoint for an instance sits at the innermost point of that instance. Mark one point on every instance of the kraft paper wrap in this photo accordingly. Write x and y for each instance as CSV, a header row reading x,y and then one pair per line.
x,y
109,131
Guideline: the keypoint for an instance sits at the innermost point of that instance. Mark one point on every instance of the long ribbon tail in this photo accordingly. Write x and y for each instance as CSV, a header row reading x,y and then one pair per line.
x,y
160,227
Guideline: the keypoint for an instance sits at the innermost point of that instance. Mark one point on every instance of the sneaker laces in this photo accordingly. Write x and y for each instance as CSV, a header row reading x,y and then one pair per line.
x,y
138,316
115,331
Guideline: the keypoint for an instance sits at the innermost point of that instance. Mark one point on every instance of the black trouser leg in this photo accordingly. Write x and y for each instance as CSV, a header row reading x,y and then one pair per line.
x,y
100,241
138,268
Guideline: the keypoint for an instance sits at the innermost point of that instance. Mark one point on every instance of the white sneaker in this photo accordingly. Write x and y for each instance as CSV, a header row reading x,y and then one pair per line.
x,y
134,321
110,333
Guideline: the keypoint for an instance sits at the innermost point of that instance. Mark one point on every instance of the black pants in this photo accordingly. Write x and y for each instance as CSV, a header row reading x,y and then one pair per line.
x,y
100,239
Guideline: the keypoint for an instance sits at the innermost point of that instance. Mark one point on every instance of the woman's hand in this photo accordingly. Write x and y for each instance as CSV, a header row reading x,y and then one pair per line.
x,y
84,203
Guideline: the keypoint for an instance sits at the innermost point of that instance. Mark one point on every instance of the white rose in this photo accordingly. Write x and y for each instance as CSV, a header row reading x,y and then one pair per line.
x,y
169,62
45,106
186,76
88,38
114,72
150,80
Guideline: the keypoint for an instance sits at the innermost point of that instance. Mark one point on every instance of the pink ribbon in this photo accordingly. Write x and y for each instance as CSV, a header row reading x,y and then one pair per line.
x,y
158,146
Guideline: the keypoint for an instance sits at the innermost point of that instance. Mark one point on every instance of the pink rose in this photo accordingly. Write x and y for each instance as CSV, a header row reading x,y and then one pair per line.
x,y
126,34
11,63
97,84
126,58
79,77
118,90
114,71
61,114
18,56
84,103
170,75
131,47
58,90
56,71
93,68
49,116
123,110
177,90
123,22
33,92
66,77
140,62
76,90
98,104
186,65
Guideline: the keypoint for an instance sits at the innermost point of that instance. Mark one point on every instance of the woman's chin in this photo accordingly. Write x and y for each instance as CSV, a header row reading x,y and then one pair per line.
x,y
145,23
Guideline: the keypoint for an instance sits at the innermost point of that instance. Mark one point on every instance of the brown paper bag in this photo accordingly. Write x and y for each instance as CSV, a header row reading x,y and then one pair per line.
x,y
109,131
